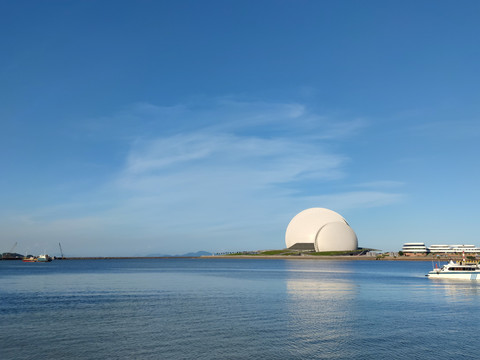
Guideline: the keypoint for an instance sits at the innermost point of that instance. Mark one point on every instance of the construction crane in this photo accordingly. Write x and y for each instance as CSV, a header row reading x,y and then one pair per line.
x,y
61,251
13,247
9,255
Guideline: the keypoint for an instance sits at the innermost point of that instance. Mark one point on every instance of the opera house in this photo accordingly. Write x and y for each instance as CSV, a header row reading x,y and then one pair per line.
x,y
319,229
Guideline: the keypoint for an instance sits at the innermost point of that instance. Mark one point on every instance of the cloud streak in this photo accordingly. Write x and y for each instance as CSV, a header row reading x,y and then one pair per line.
x,y
219,175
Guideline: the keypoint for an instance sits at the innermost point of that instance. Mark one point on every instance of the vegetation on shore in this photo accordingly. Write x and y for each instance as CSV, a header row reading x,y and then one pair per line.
x,y
288,252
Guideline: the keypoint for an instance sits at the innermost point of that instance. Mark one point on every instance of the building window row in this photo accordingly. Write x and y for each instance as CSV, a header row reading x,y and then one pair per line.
x,y
421,248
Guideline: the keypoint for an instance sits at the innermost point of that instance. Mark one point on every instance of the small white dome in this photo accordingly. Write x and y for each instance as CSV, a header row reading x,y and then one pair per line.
x,y
336,236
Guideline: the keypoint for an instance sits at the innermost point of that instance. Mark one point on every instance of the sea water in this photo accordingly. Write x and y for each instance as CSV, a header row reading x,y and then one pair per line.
x,y
234,309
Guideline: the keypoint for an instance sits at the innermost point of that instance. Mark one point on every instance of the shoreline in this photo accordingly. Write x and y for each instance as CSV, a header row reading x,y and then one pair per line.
x,y
333,257
270,257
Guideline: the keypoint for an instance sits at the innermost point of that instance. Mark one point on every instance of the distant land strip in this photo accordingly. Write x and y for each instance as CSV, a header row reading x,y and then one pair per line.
x,y
126,257
287,257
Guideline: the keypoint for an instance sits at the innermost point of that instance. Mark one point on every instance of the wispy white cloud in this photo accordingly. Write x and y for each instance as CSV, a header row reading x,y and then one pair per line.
x,y
222,115
231,174
380,184
239,159
211,175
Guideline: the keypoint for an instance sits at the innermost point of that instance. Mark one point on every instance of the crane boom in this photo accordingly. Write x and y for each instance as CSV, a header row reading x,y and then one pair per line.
x,y
13,247
61,251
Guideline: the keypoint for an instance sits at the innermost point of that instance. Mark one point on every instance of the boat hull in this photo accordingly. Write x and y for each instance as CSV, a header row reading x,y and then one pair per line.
x,y
473,275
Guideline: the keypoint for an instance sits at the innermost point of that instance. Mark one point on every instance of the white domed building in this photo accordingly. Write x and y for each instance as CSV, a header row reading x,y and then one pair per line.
x,y
320,229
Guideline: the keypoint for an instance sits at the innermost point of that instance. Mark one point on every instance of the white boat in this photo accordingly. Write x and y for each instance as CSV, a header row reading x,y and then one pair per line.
x,y
466,270
44,258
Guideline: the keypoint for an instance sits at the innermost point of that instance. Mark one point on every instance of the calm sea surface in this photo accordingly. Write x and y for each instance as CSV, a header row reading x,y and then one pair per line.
x,y
234,309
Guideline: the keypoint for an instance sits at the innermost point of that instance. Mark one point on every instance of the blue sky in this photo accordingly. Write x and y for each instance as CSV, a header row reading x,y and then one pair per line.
x,y
139,127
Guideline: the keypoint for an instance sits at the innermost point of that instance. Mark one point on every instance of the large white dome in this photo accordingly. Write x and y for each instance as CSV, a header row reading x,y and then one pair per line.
x,y
323,229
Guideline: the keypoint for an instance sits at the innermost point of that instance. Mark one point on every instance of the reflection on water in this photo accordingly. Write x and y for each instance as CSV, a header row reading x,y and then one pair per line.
x,y
456,291
320,308
305,284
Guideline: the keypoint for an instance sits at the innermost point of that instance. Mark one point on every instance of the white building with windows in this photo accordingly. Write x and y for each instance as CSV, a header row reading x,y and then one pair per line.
x,y
410,249
454,249
440,249
414,248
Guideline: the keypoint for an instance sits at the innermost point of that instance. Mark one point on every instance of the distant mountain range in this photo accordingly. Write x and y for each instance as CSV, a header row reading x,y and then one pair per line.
x,y
192,254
